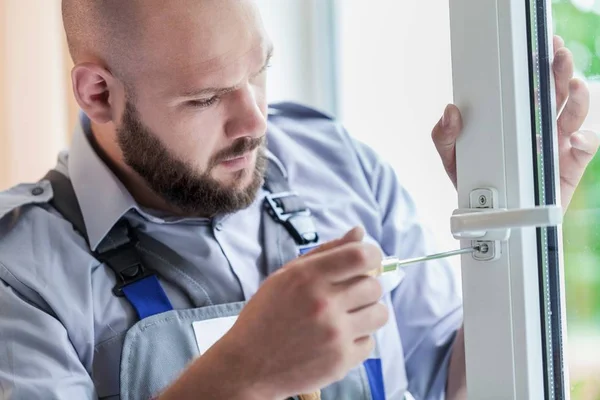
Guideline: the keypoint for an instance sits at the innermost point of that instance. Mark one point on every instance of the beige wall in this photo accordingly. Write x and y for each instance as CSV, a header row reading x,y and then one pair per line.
x,y
33,87
4,143
72,107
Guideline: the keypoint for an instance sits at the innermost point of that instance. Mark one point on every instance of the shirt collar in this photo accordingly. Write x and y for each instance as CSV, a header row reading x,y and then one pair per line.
x,y
102,197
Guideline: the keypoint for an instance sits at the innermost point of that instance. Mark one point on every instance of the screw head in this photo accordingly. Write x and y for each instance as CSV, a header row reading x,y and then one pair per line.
x,y
482,200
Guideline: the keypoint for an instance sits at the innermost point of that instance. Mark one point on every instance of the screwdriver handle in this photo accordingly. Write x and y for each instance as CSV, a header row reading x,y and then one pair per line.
x,y
387,264
311,396
376,272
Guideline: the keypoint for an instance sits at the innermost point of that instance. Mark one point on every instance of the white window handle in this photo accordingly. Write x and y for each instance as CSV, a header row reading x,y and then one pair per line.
x,y
496,223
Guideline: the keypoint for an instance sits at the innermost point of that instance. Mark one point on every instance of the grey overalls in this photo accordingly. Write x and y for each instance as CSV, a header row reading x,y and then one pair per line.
x,y
163,342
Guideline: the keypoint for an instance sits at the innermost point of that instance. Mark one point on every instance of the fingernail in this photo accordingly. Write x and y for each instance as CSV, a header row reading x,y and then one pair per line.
x,y
446,117
578,141
576,85
585,140
559,41
356,234
560,59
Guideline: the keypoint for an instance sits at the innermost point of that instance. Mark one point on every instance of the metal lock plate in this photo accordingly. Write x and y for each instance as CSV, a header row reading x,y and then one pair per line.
x,y
489,250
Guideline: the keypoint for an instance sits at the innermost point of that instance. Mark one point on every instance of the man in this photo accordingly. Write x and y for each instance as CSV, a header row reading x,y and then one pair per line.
x,y
115,279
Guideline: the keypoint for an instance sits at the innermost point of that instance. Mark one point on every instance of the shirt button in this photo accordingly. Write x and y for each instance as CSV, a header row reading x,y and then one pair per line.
x,y
219,226
36,191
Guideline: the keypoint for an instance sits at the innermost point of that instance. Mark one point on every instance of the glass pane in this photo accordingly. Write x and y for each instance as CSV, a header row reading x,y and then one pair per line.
x,y
578,22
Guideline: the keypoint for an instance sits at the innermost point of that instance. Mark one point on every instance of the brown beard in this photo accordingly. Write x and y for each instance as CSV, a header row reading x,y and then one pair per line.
x,y
176,182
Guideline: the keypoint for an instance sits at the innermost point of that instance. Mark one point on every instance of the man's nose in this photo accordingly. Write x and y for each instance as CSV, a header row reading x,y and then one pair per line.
x,y
246,118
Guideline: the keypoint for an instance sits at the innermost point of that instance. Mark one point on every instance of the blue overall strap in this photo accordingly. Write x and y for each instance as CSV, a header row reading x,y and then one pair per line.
x,y
147,297
375,376
139,285
118,251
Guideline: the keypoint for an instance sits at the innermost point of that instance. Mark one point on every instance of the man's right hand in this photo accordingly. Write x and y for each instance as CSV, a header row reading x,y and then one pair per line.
x,y
307,326
311,322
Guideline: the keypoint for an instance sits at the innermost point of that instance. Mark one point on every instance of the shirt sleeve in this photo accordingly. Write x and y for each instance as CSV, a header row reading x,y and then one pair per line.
x,y
427,303
37,359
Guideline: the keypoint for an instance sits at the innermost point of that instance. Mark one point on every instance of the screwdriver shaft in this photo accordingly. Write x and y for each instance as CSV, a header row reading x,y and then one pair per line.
x,y
392,263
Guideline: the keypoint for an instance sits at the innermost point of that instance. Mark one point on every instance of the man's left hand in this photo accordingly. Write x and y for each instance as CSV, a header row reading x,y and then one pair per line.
x,y
576,148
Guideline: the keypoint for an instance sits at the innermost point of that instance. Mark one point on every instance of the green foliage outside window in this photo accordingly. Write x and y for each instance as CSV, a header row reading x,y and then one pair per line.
x,y
578,23
581,31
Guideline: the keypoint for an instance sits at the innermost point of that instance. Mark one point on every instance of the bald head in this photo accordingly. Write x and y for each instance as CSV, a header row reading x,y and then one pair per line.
x,y
122,34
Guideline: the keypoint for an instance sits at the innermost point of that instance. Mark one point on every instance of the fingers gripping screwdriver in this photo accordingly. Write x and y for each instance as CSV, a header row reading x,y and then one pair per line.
x,y
393,264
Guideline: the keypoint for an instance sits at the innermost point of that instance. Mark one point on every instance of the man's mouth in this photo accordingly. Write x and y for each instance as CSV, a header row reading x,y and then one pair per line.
x,y
238,162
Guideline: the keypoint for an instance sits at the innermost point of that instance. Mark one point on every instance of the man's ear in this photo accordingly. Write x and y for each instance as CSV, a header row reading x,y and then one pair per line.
x,y
92,88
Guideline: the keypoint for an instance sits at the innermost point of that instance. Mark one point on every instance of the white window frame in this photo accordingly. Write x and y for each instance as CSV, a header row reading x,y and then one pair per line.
x,y
502,312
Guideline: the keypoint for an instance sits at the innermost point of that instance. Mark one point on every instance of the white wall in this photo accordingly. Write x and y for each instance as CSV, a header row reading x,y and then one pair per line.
x,y
395,82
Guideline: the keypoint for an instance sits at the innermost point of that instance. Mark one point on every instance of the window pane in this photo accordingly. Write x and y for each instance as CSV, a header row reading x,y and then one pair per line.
x,y
578,22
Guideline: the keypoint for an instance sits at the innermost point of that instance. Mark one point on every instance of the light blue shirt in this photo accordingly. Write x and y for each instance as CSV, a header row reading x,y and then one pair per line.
x,y
61,327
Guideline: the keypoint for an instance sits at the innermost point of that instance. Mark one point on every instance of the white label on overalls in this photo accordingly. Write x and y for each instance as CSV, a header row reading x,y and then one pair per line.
x,y
208,332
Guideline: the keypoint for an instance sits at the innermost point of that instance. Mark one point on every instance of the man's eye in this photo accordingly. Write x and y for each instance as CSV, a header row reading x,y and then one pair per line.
x,y
203,103
266,68
263,70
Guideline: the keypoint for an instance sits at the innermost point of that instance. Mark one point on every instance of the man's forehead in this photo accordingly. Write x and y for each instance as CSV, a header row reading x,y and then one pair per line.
x,y
189,78
204,39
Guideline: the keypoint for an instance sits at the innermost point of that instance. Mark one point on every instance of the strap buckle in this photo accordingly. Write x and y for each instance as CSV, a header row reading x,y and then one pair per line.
x,y
125,262
299,222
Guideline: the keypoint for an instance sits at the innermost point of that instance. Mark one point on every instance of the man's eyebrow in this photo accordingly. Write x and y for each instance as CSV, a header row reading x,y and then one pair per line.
x,y
221,91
